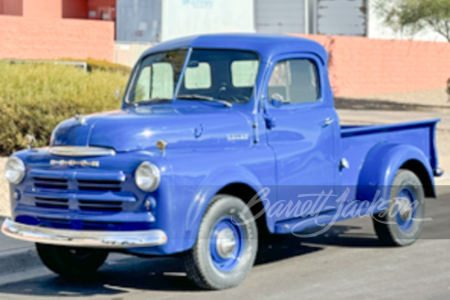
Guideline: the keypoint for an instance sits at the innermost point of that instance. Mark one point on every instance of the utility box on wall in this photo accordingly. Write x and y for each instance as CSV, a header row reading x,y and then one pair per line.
x,y
107,13
138,21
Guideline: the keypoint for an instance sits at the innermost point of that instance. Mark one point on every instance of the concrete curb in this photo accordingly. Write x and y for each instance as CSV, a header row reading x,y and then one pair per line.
x,y
444,180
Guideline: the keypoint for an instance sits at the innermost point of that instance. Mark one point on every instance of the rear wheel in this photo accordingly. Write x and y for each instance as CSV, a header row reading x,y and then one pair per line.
x,y
226,246
76,263
400,224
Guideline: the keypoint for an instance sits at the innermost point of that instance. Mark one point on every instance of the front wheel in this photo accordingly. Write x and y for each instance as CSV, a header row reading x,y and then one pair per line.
x,y
401,224
226,246
75,263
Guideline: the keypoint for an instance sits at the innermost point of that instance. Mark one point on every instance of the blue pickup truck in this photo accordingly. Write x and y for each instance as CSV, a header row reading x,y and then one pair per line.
x,y
221,141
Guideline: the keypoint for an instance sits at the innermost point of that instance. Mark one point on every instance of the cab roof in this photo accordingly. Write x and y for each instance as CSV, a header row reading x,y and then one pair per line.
x,y
266,46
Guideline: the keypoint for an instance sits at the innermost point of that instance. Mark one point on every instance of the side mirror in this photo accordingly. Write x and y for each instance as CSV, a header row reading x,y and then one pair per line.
x,y
277,100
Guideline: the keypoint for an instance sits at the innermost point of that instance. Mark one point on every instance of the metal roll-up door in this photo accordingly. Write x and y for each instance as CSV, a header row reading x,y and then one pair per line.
x,y
278,17
342,17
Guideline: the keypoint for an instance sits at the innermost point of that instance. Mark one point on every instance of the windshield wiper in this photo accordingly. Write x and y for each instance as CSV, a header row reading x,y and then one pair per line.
x,y
204,98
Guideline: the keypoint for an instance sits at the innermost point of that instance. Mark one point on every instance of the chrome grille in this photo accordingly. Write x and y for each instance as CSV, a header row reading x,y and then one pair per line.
x,y
84,194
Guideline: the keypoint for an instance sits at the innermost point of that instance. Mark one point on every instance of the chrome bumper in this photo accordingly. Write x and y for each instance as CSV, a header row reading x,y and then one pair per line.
x,y
88,239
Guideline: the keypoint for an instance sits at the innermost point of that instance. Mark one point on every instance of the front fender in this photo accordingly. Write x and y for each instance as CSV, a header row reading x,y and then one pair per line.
x,y
210,186
381,165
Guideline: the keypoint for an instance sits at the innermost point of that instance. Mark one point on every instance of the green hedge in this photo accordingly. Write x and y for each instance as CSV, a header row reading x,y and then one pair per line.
x,y
34,98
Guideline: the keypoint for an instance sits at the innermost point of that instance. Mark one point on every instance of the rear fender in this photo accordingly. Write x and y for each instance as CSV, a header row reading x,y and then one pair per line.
x,y
381,165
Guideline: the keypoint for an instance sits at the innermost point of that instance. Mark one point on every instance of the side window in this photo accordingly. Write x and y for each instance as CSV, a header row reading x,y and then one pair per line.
x,y
155,81
296,81
198,77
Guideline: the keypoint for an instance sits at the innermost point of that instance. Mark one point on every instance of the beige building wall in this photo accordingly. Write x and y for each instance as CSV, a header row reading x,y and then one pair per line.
x,y
191,17
128,54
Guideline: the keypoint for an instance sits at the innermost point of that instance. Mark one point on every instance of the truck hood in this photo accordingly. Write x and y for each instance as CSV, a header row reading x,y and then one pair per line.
x,y
141,128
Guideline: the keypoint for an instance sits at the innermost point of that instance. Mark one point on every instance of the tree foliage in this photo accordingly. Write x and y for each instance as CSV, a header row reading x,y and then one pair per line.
x,y
412,16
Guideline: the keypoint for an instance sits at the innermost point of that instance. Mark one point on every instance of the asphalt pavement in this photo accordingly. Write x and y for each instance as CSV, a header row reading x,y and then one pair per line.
x,y
347,262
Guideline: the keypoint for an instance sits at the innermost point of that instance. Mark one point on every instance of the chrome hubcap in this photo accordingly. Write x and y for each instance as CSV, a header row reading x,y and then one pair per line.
x,y
226,242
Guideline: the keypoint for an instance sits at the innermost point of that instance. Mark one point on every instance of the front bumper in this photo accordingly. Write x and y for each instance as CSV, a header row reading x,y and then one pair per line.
x,y
86,239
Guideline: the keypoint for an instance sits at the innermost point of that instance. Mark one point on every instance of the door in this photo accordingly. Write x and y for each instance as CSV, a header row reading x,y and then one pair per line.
x,y
302,128
342,17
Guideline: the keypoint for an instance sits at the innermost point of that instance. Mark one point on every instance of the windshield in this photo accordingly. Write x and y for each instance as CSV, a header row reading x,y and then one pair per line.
x,y
213,75
157,76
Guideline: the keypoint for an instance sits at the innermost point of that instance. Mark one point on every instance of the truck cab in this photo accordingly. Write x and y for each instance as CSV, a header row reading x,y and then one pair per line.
x,y
220,140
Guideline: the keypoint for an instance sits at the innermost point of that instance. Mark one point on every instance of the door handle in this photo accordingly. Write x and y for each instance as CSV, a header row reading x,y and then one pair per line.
x,y
328,122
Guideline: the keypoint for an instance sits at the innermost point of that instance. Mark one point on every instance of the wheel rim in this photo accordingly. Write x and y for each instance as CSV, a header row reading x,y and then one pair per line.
x,y
405,210
226,244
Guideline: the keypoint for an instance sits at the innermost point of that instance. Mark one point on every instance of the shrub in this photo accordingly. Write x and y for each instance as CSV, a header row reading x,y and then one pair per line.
x,y
34,98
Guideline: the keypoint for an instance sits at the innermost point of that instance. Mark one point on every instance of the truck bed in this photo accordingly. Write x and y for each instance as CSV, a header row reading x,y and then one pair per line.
x,y
357,141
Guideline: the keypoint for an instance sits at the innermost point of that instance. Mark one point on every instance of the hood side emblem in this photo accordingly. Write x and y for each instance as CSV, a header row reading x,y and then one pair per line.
x,y
237,137
81,119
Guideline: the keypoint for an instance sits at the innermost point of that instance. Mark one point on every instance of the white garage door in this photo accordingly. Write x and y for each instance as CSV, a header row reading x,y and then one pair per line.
x,y
342,17
280,16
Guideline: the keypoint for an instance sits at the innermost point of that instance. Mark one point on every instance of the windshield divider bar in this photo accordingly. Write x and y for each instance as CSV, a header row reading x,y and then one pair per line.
x,y
180,80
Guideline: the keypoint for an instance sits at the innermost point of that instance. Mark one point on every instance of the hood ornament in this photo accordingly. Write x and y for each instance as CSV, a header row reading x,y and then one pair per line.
x,y
162,145
81,119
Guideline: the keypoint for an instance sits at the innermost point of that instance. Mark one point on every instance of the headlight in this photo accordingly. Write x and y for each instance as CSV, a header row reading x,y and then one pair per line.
x,y
14,170
147,177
